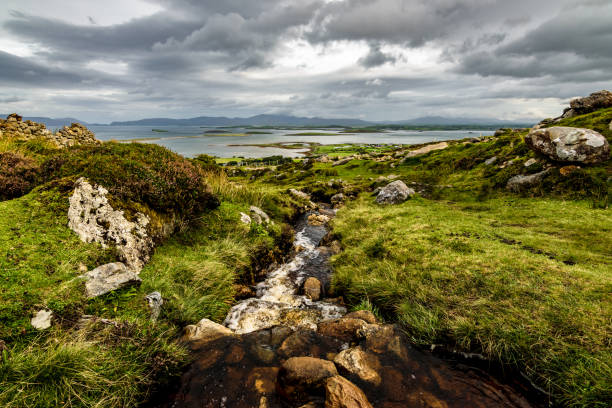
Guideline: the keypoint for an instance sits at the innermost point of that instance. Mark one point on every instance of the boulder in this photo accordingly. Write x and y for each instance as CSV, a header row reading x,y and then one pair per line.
x,y
567,144
155,301
394,193
299,194
341,393
364,315
109,277
312,288
342,161
522,182
591,103
338,199
491,161
300,376
42,319
346,329
94,220
530,162
360,364
258,215
205,331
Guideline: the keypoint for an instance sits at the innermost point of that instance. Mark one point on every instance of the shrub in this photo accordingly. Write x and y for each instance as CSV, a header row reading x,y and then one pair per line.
x,y
143,173
18,175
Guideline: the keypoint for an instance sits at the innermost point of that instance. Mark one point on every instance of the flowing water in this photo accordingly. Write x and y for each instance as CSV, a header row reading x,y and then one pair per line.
x,y
244,370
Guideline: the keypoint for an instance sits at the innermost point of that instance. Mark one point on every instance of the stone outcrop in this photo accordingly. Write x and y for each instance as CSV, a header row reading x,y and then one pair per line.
x,y
567,144
94,220
109,277
318,219
155,301
427,149
75,134
301,376
362,365
312,288
341,393
259,216
394,193
205,331
591,103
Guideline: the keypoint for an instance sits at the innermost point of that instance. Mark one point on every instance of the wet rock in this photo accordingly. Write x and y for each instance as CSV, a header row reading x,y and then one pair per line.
x,y
243,291
522,182
364,315
427,149
379,338
205,331
318,219
308,343
263,379
42,319
300,376
394,193
312,289
155,301
263,353
393,384
278,335
491,161
109,277
567,144
346,329
357,363
235,354
245,219
259,216
94,220
341,393
591,103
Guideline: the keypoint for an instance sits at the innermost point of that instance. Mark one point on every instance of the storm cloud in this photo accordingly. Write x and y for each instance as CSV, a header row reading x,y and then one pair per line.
x,y
371,59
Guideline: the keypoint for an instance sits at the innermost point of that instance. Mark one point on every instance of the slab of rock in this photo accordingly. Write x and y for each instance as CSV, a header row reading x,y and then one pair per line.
x,y
591,103
567,144
300,376
94,220
42,319
318,219
341,393
491,161
109,277
342,161
204,331
360,364
521,182
346,329
530,162
299,194
258,215
312,288
394,193
427,149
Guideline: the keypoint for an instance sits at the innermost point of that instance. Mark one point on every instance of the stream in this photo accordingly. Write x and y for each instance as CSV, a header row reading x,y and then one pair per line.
x,y
249,368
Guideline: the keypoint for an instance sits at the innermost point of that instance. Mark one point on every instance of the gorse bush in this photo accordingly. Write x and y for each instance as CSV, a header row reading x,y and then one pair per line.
x,y
18,175
143,173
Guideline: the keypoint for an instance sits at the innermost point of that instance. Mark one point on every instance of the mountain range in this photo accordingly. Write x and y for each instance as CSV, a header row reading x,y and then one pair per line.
x,y
284,120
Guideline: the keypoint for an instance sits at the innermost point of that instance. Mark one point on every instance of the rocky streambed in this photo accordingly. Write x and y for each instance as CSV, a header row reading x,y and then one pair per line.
x,y
286,349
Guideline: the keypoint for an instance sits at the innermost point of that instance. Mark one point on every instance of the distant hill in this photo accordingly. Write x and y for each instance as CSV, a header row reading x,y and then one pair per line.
x,y
440,120
258,120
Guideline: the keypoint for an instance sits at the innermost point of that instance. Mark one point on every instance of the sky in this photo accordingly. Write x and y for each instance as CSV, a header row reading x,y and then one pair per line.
x,y
380,60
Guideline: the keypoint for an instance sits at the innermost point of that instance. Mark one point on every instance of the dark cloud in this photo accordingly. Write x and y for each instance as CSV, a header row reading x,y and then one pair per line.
x,y
376,57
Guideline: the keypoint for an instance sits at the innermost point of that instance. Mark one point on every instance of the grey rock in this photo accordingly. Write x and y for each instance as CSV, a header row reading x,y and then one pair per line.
x,y
338,199
245,219
491,161
94,220
530,162
299,194
259,216
155,301
567,144
42,319
591,103
394,193
521,182
109,277
206,330
342,161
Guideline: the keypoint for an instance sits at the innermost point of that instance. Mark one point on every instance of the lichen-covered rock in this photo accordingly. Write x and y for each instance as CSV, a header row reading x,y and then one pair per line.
x,y
245,219
312,288
567,144
341,393
259,216
394,193
109,277
42,319
338,199
94,220
427,149
591,103
155,301
522,182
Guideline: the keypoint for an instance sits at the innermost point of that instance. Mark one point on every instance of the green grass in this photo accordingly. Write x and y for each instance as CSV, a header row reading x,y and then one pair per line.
x,y
598,120
493,277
